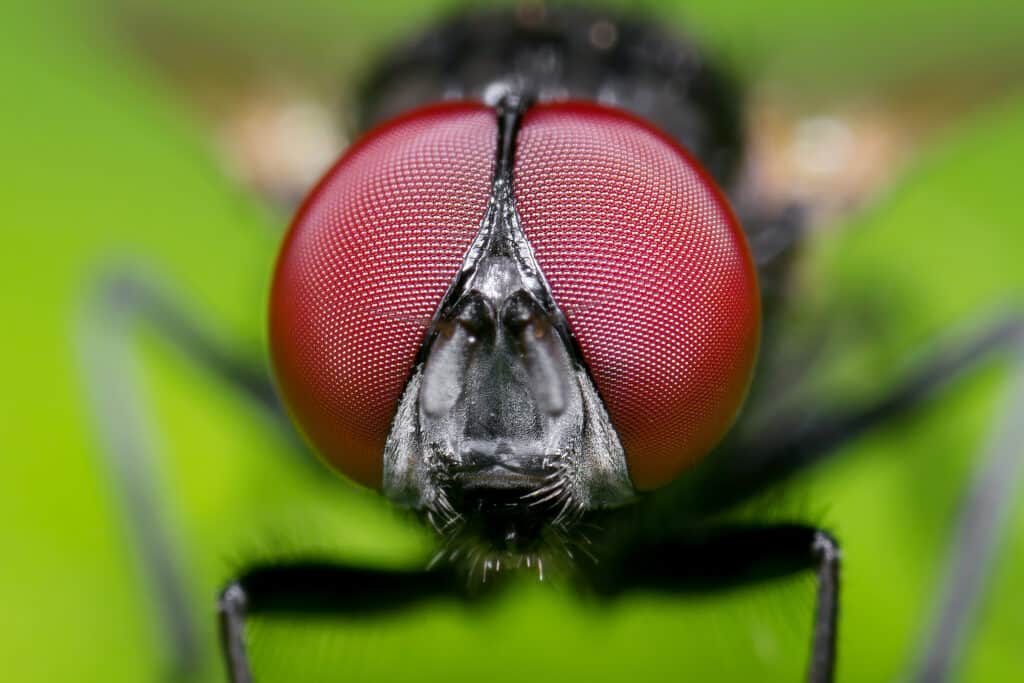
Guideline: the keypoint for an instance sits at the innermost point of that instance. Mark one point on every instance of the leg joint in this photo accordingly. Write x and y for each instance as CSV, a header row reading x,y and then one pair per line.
x,y
233,599
825,547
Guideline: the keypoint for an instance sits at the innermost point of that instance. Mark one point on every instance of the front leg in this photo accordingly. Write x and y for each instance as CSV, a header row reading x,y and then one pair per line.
x,y
728,556
312,588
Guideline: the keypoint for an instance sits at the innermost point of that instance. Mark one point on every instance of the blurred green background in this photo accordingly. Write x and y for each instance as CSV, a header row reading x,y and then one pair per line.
x,y
118,149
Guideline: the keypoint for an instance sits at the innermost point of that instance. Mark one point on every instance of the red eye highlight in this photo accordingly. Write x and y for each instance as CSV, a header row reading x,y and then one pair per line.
x,y
366,262
652,270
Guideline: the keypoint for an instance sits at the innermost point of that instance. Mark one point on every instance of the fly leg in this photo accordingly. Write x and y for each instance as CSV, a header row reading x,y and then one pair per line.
x,y
123,302
801,441
316,588
723,557
808,435
119,306
975,539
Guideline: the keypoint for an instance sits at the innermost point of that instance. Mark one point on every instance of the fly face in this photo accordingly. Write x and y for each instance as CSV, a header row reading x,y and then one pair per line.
x,y
500,436
502,425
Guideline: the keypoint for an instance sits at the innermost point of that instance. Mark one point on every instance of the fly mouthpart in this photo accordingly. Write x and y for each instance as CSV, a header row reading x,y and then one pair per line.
x,y
506,467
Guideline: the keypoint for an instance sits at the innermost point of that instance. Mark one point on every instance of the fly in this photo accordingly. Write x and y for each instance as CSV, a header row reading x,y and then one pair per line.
x,y
543,188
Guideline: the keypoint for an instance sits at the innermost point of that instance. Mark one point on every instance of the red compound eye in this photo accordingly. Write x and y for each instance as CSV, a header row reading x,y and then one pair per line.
x,y
366,262
650,266
638,246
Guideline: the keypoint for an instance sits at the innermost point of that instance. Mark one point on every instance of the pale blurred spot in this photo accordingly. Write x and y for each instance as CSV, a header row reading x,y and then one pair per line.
x,y
831,162
823,146
833,156
279,145
603,34
495,91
